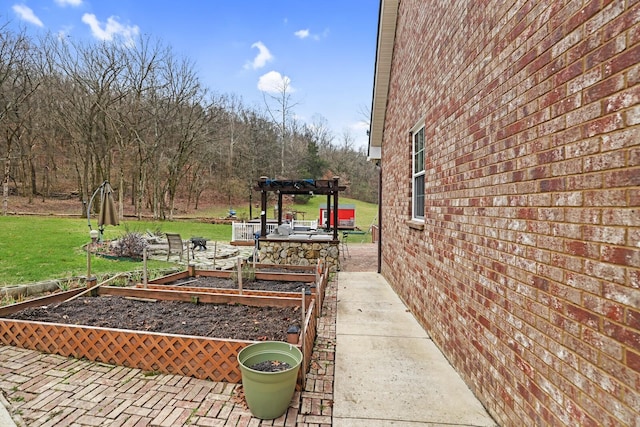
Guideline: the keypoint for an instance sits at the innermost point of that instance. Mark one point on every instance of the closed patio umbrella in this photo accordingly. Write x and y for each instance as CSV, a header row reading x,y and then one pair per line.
x,y
108,214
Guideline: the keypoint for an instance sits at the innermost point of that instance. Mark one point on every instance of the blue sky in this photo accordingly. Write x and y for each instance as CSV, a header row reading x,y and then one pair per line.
x,y
325,48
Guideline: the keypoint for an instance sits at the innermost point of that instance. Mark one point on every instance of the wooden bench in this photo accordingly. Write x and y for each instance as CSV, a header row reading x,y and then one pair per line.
x,y
175,245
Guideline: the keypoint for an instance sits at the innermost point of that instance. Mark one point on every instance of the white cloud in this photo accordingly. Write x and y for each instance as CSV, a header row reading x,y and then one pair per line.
x,y
305,34
111,29
274,82
72,3
26,14
261,58
302,34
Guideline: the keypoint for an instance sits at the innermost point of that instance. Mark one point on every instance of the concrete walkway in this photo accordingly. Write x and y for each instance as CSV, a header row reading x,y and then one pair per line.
x,y
5,418
387,369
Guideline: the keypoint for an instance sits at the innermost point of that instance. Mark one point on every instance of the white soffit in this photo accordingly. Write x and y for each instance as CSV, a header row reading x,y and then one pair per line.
x,y
384,54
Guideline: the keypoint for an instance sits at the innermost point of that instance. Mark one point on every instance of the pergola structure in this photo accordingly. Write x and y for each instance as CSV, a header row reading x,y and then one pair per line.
x,y
328,187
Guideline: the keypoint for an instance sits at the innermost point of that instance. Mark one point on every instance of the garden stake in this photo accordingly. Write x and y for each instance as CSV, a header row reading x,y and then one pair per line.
x,y
144,267
303,306
255,253
215,250
318,293
319,278
240,275
304,334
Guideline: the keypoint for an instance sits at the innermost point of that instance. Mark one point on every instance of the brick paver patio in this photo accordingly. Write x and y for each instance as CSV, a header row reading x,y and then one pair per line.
x,y
50,390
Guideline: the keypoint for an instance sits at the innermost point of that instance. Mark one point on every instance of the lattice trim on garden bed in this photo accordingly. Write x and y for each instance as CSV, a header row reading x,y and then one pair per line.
x,y
199,357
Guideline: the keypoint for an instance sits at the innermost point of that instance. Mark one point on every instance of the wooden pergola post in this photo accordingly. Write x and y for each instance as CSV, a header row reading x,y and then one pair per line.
x,y
263,207
335,207
327,223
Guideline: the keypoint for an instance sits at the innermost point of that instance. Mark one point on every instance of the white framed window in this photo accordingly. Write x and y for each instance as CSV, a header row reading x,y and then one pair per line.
x,y
417,176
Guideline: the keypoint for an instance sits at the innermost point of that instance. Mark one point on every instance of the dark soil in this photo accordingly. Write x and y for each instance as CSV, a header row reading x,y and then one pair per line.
x,y
271,366
171,317
256,285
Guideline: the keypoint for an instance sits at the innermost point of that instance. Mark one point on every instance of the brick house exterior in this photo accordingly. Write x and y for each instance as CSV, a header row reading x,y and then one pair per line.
x,y
525,265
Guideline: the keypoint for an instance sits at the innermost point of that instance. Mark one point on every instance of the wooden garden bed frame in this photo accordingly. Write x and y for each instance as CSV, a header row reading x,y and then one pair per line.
x,y
199,357
316,277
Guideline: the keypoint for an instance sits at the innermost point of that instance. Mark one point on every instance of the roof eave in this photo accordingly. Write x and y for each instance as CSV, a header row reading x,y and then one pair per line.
x,y
384,54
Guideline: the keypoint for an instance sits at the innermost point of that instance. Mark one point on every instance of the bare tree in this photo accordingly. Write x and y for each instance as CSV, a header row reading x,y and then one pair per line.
x,y
17,84
184,113
364,112
90,75
279,104
320,131
138,115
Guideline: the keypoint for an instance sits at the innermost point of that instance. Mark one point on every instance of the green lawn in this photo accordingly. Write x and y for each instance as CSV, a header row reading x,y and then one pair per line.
x,y
40,248
34,248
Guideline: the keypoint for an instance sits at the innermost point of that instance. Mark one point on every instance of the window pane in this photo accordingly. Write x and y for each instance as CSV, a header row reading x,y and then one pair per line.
x,y
418,151
419,140
418,197
418,174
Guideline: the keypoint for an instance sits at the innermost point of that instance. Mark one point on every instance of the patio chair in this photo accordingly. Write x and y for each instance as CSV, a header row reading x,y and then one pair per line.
x,y
175,245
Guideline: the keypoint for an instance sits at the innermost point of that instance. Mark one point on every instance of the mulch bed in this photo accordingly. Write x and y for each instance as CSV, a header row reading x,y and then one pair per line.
x,y
223,321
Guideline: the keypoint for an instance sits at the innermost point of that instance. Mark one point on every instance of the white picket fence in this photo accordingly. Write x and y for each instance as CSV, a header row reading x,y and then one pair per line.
x,y
245,231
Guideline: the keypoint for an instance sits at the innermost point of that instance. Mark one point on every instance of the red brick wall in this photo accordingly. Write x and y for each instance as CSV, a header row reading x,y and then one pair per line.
x,y
527,270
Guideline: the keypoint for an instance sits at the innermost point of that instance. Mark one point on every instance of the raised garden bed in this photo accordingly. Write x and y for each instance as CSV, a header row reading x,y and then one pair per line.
x,y
270,280
204,357
232,321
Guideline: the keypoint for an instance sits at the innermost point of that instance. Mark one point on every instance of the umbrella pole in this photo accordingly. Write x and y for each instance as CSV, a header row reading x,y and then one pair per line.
x,y
91,203
101,225
144,267
88,260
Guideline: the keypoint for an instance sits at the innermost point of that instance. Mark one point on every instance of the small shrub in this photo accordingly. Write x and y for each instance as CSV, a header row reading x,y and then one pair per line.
x,y
124,280
131,245
7,300
248,274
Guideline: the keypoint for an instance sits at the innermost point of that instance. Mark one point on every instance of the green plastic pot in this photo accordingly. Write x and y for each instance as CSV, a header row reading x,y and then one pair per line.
x,y
268,394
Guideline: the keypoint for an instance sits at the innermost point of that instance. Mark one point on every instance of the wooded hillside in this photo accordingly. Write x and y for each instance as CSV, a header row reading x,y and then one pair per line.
x,y
75,114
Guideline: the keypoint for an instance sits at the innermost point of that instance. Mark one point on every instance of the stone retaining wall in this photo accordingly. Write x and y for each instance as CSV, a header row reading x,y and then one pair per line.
x,y
36,288
298,252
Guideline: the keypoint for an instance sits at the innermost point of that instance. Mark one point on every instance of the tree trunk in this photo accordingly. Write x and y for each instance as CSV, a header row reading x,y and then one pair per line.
x,y
121,195
32,170
140,198
5,181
